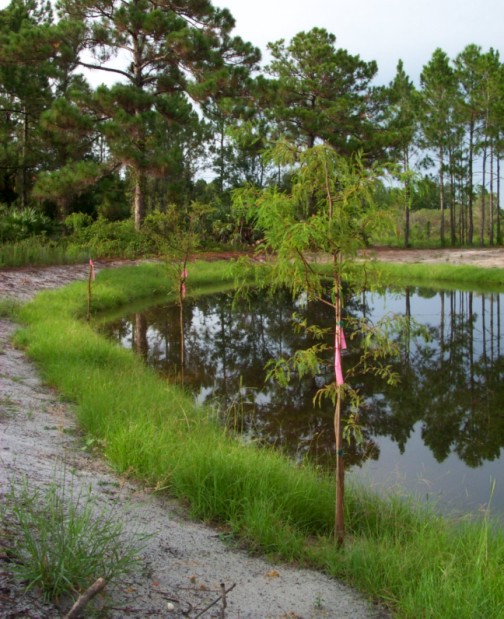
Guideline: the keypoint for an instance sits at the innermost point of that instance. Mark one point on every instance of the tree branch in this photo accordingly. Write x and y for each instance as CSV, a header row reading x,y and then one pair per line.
x,y
83,599
109,69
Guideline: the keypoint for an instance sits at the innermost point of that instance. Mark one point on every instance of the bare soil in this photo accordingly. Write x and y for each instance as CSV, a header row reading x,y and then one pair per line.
x,y
483,257
185,562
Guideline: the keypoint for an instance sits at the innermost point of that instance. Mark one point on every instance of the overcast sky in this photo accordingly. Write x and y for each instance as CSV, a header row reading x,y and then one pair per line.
x,y
381,30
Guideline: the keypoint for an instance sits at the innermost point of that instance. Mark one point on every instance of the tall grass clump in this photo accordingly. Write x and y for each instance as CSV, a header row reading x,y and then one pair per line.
x,y
9,308
412,559
59,543
39,251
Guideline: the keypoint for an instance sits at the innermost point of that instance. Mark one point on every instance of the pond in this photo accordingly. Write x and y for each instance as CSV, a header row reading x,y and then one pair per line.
x,y
438,435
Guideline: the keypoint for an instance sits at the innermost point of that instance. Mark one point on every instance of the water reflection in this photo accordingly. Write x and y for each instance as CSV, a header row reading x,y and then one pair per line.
x,y
448,409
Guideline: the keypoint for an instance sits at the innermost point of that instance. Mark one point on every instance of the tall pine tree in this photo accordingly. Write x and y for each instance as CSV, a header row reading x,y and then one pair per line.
x,y
163,55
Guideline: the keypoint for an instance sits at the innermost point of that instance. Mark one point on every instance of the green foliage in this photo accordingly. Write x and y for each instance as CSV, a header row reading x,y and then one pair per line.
x,y
75,222
322,92
329,209
147,119
60,542
177,234
17,224
62,185
109,239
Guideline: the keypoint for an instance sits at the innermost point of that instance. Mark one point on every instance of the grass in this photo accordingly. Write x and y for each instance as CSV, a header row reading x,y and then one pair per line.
x,y
8,308
445,275
417,562
58,542
40,252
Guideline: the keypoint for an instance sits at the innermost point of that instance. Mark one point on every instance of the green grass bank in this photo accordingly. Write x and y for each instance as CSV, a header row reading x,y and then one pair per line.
x,y
443,275
418,563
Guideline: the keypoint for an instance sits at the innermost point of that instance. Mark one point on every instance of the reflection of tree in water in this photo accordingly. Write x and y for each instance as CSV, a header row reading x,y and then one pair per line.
x,y
452,384
451,387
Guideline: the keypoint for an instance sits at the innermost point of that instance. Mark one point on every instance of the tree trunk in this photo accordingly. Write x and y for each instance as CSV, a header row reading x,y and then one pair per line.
x,y
23,193
339,516
453,225
182,342
470,229
406,200
491,205
441,197
499,239
483,204
139,200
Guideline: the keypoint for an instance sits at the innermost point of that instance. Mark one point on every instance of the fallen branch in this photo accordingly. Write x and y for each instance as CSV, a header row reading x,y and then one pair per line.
x,y
85,597
221,597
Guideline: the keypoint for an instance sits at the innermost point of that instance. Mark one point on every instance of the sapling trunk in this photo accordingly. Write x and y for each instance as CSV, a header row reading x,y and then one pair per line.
x,y
181,326
91,277
339,517
182,294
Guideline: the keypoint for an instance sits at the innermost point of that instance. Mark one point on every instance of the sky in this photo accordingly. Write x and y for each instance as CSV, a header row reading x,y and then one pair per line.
x,y
380,30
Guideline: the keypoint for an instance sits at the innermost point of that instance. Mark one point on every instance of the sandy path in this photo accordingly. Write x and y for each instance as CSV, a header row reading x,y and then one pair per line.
x,y
485,257
184,562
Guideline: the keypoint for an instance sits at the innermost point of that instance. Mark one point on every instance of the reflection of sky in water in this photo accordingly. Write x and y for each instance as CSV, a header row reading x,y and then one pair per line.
x,y
451,483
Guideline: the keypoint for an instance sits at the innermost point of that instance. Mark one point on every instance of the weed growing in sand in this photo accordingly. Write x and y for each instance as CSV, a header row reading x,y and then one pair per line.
x,y
59,543
8,308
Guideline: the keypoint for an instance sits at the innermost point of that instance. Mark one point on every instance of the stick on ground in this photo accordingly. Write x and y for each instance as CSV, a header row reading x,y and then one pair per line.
x,y
83,599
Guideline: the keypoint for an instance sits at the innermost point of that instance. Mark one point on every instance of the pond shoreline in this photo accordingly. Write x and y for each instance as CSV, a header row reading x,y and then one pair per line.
x,y
287,591
185,561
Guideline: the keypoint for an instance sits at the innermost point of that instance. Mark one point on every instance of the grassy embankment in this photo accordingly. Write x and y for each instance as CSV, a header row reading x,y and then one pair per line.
x,y
445,275
418,563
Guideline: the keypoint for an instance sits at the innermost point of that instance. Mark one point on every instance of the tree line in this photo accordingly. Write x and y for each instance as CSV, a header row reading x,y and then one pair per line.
x,y
182,98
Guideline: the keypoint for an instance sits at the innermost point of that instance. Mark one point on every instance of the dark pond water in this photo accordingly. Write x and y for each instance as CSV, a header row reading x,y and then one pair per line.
x,y
438,435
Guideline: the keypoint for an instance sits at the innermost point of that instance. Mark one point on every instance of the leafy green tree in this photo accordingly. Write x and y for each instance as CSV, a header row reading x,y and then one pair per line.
x,y
162,53
177,234
497,125
293,232
320,92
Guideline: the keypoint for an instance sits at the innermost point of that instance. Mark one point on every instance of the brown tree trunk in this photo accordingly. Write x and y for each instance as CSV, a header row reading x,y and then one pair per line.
x,y
339,516
139,200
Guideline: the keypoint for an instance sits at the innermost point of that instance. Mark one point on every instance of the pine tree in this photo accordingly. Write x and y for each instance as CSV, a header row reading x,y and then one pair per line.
x,y
323,93
438,102
402,127
163,55
25,91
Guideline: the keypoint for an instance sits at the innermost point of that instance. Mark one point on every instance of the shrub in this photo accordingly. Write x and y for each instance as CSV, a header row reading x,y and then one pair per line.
x,y
111,239
19,224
